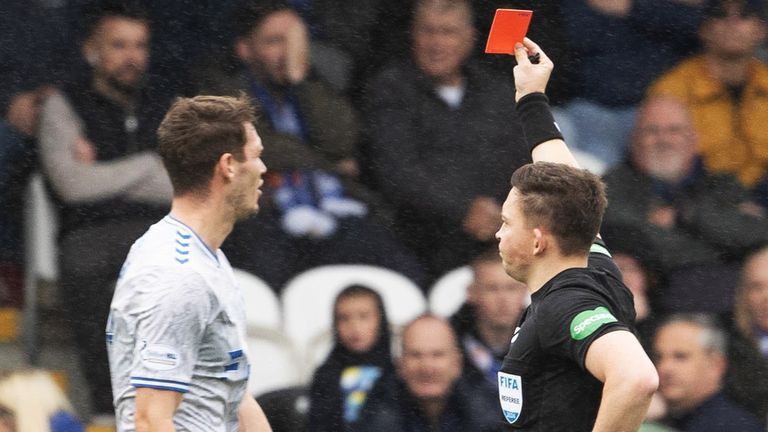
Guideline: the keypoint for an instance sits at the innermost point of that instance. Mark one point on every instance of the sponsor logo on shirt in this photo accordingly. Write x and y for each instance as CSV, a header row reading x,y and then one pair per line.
x,y
160,357
586,322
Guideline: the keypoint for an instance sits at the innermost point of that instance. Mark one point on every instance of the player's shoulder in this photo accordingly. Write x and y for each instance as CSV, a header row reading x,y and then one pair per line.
x,y
171,245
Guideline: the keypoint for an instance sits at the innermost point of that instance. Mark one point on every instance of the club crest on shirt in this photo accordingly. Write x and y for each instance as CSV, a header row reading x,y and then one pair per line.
x,y
510,396
160,357
586,322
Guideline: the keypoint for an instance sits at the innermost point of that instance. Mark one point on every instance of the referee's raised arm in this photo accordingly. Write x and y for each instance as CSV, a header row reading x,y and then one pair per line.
x,y
542,133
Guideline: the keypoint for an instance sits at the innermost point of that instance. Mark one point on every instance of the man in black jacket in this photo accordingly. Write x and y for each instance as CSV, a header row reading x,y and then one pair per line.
x,y
443,138
431,394
698,223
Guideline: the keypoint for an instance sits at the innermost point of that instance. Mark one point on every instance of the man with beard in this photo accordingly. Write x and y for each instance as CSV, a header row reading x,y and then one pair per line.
x,y
699,223
97,151
176,330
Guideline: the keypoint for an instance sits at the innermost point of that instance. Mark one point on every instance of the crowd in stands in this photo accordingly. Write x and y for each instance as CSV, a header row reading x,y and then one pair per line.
x,y
389,140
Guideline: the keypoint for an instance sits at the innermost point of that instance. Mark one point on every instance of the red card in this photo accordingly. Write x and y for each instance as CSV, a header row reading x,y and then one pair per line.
x,y
509,27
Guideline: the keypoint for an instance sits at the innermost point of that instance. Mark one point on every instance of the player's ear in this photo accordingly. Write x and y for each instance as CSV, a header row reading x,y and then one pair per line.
x,y
225,166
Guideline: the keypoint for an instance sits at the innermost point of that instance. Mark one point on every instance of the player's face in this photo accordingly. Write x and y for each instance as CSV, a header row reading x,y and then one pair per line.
x,y
357,322
497,298
266,48
430,362
515,238
442,41
755,283
119,52
248,181
688,374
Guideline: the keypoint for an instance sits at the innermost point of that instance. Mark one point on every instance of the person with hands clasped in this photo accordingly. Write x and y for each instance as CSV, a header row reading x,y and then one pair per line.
x,y
574,363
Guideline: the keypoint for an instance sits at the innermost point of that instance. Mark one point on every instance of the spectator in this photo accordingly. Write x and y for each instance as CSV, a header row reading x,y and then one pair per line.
x,y
443,139
747,379
320,212
430,393
97,140
33,40
359,361
486,322
690,353
36,403
635,258
726,90
699,224
610,78
349,29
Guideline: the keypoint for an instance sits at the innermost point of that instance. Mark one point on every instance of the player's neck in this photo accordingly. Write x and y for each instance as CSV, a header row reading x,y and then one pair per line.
x,y
208,219
547,267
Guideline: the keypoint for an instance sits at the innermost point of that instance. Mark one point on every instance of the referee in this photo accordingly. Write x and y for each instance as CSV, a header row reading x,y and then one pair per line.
x,y
574,363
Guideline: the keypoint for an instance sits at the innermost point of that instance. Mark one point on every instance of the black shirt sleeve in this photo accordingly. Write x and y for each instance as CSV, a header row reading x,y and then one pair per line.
x,y
571,319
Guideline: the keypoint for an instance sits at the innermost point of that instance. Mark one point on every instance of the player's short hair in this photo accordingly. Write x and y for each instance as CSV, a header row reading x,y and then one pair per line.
x,y
567,201
249,14
94,13
196,132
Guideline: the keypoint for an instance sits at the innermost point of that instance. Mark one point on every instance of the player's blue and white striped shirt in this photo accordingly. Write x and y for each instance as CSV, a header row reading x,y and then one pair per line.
x,y
177,323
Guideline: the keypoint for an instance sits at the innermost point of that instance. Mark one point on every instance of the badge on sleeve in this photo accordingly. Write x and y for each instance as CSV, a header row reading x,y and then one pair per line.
x,y
586,322
160,357
511,396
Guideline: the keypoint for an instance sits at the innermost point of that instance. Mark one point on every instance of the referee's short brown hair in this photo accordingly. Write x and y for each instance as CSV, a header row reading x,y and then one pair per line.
x,y
567,201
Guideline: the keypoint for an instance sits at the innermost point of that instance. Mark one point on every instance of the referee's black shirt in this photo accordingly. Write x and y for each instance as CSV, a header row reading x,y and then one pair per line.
x,y
543,382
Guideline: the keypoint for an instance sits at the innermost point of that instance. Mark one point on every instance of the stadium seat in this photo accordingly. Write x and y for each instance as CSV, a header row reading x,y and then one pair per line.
x,y
274,362
308,299
262,307
40,250
286,408
448,293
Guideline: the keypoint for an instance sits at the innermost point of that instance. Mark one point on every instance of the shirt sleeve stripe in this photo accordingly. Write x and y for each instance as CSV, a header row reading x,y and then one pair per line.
x,y
598,248
160,384
160,380
159,387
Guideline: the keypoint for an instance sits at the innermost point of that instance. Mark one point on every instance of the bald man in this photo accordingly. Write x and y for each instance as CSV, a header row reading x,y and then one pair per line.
x,y
431,392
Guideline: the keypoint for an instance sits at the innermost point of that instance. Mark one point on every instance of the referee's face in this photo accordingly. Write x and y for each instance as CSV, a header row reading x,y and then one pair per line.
x,y
516,238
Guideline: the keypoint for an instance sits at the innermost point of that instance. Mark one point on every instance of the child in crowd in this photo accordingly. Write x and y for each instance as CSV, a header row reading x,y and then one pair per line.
x,y
35,403
360,359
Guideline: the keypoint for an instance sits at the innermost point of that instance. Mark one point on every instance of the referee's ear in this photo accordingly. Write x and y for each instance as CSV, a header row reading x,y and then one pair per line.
x,y
540,242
